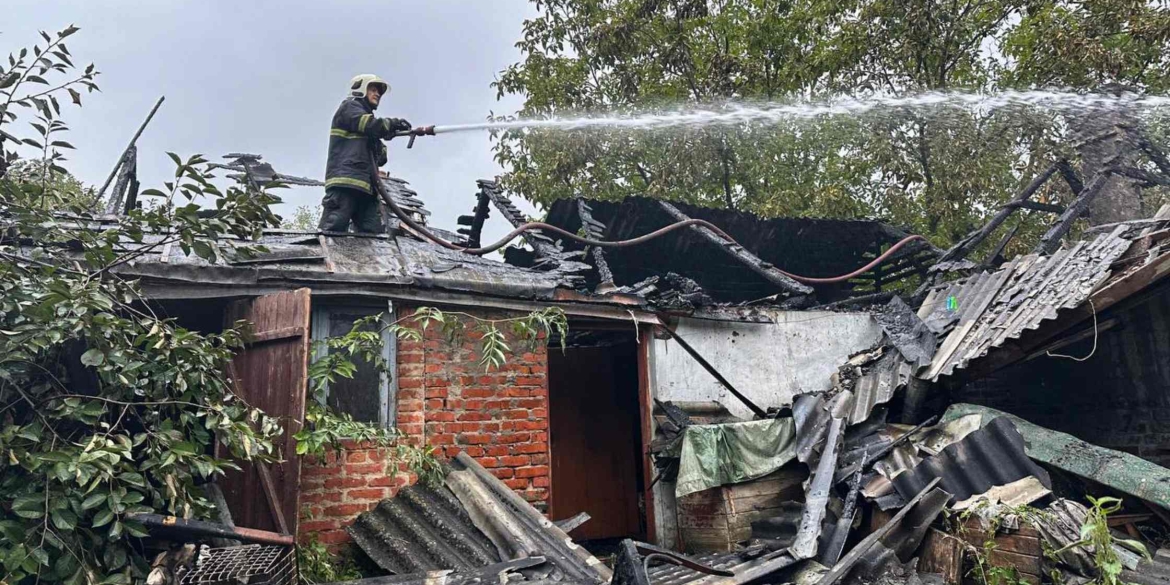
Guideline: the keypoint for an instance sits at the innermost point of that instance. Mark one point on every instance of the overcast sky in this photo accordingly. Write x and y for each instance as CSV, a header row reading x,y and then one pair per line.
x,y
265,77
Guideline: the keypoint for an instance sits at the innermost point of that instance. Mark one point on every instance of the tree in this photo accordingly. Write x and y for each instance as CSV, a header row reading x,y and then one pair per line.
x,y
937,173
106,409
73,192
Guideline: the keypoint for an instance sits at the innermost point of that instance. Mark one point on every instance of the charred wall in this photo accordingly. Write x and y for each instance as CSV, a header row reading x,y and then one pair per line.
x,y
1119,397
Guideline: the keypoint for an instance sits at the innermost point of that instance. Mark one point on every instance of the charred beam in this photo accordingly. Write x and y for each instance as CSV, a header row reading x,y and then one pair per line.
x,y
764,269
1070,176
969,243
596,231
475,221
1037,206
996,254
1051,239
715,373
544,246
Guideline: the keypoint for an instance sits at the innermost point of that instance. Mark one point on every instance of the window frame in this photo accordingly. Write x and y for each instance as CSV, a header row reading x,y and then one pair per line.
x,y
322,314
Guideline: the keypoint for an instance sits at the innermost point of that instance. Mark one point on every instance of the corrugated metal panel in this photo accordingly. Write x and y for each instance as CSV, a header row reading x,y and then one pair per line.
x,y
991,456
986,310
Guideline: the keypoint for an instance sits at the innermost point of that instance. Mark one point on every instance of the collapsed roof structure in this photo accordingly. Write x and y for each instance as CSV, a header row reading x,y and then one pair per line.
x,y
825,443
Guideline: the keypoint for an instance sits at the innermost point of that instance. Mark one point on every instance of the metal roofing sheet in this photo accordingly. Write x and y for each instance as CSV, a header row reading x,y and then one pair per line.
x,y
984,311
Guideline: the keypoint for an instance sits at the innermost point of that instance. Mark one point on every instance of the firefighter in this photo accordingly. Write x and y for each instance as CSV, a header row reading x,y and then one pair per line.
x,y
356,152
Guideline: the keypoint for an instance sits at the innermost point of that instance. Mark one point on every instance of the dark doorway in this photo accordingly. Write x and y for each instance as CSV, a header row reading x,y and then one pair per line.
x,y
596,441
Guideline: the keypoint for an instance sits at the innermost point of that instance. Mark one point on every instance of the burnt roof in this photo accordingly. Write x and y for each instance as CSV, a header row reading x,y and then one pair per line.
x,y
807,246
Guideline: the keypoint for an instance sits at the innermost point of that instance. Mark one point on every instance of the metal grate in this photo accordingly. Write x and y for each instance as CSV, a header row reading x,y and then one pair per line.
x,y
251,564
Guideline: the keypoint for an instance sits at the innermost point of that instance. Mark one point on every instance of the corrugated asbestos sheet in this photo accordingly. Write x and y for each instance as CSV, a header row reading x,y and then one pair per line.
x,y
472,522
1128,474
423,528
878,384
984,311
991,456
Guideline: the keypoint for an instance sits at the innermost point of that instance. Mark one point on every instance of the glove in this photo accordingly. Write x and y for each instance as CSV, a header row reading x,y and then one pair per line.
x,y
400,125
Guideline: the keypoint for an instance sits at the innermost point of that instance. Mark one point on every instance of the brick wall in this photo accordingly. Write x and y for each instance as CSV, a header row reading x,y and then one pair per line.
x,y
448,400
1118,398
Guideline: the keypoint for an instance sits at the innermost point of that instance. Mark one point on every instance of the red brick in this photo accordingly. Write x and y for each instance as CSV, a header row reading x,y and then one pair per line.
x,y
441,416
531,403
515,414
320,470
434,368
474,416
355,457
434,404
496,450
410,382
442,439
346,482
409,358
515,460
503,472
516,484
539,459
513,438
321,497
496,404
539,413
346,510
475,451
332,537
475,438
382,481
318,525
542,481
532,471
366,494
488,462
531,448
363,469
477,393
529,380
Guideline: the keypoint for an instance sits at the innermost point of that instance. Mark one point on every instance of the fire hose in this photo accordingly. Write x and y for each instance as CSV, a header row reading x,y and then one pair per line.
x,y
545,227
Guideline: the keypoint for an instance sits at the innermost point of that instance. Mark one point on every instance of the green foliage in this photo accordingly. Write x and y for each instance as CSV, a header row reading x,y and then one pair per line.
x,y
1098,540
316,564
938,174
106,409
304,218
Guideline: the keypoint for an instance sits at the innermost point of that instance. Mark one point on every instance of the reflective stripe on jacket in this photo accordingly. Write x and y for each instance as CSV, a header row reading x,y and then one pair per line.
x,y
355,144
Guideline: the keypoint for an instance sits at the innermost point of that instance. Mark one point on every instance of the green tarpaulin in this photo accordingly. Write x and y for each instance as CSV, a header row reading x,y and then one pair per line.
x,y
1123,472
715,455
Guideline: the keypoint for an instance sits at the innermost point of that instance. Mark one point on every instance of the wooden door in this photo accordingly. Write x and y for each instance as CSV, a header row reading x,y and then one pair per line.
x,y
271,373
593,411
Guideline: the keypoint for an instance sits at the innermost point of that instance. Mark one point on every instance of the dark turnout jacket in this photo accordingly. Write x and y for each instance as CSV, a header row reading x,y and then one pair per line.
x,y
355,144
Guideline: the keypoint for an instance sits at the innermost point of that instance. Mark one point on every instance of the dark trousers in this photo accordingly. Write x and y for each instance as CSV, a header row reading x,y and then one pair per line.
x,y
342,205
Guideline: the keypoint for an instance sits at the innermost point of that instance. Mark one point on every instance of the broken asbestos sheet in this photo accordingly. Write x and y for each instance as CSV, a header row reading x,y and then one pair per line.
x,y
1123,472
715,455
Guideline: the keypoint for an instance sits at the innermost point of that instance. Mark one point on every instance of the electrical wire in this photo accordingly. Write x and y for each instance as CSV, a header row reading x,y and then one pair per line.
x,y
544,227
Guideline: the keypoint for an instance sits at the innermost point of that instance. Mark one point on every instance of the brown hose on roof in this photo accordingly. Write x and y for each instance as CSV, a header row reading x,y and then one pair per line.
x,y
544,227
